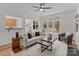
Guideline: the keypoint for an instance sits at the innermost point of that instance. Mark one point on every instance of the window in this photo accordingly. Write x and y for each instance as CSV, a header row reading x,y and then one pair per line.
x,y
35,25
57,24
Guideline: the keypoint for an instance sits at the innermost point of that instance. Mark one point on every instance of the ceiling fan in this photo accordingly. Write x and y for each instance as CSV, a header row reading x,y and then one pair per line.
x,y
41,7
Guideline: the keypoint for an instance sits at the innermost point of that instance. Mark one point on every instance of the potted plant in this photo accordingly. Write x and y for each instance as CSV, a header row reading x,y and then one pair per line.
x,y
17,34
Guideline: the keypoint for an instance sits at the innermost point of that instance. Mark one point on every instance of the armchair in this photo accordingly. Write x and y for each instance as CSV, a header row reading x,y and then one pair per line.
x,y
62,36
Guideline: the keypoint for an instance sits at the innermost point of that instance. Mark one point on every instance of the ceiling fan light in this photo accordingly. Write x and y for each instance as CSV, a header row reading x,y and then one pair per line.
x,y
41,10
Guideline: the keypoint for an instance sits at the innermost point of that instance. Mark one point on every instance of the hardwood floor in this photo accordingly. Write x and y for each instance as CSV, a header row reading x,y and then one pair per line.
x,y
5,50
16,50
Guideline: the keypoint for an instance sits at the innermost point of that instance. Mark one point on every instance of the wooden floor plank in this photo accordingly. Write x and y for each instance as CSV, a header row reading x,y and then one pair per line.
x,y
5,50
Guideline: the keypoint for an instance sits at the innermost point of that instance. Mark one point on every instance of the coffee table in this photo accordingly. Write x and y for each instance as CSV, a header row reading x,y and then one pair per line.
x,y
46,44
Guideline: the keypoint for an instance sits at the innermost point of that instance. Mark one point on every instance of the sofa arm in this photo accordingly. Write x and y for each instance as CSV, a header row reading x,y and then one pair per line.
x,y
23,41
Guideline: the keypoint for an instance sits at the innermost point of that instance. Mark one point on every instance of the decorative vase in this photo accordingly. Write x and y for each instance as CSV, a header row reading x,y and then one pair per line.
x,y
17,34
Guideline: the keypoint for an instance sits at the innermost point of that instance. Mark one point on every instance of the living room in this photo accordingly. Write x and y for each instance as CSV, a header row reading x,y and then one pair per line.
x,y
23,25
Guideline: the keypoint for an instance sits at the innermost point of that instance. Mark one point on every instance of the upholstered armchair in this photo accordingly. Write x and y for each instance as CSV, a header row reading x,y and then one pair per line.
x,y
70,39
62,36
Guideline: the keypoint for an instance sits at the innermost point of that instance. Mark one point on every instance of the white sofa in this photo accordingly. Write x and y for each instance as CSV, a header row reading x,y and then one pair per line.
x,y
25,42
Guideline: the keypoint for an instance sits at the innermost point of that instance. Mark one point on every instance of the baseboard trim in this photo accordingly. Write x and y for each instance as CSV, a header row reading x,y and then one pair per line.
x,y
8,45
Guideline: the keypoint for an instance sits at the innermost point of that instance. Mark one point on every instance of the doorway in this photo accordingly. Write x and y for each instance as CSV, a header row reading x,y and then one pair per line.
x,y
76,27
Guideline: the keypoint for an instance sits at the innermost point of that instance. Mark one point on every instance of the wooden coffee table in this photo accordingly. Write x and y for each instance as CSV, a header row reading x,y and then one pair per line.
x,y
45,44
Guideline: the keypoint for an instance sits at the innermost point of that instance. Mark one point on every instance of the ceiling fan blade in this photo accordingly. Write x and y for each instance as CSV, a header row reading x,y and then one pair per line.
x,y
46,8
41,7
35,7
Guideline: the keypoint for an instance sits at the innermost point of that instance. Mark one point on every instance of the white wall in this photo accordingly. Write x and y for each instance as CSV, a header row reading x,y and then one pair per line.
x,y
77,12
5,35
67,20
29,23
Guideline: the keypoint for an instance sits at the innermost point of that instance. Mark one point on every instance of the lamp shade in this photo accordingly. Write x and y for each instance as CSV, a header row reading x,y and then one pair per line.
x,y
10,22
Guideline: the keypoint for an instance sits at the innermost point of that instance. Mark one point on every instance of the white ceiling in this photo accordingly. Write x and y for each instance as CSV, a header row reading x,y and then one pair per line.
x,y
26,10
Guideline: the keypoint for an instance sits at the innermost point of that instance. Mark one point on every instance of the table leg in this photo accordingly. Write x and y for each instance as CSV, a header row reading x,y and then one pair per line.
x,y
51,47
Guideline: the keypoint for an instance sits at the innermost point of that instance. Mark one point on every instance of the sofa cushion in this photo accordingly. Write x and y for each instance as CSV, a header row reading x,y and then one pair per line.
x,y
33,40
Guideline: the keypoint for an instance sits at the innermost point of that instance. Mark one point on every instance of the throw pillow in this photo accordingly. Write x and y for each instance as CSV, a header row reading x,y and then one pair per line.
x,y
29,35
